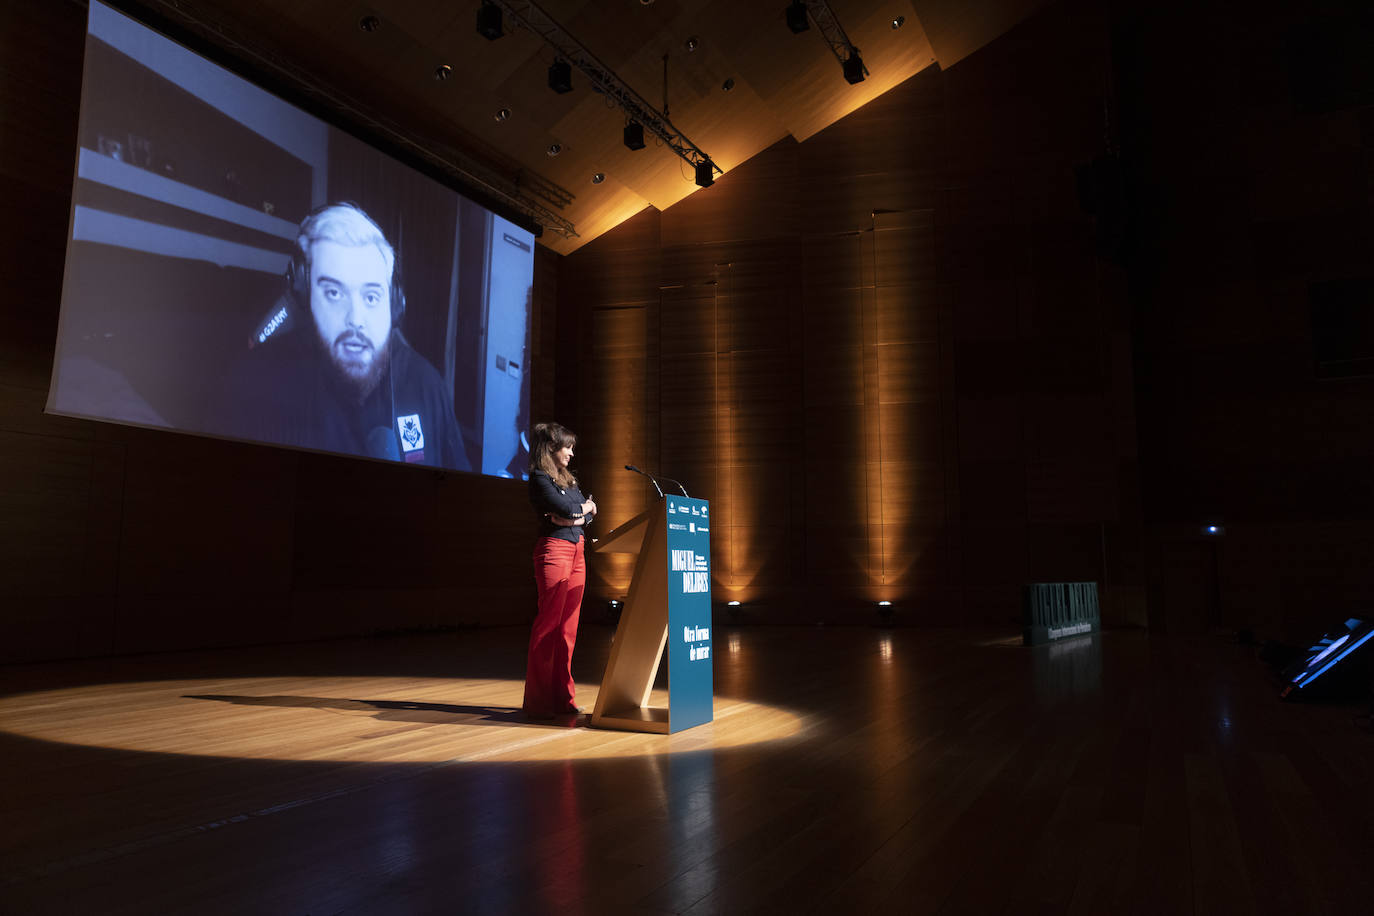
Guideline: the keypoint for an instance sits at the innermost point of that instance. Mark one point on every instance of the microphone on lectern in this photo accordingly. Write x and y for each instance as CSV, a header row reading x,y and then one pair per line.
x,y
631,467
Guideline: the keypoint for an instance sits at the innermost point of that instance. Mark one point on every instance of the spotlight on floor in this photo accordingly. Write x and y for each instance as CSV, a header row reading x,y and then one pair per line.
x,y
854,69
885,611
735,610
613,609
560,76
706,176
489,21
796,17
634,135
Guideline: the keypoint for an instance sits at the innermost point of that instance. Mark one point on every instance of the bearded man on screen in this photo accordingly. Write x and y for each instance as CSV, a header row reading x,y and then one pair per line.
x,y
330,370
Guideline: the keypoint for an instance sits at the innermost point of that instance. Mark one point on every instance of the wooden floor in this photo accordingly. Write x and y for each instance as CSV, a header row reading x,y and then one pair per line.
x,y
848,770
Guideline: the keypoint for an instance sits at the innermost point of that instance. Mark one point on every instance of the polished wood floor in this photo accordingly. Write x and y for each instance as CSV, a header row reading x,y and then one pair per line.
x,y
848,771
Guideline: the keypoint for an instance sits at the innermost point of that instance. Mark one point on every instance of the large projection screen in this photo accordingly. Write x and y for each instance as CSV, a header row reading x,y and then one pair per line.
x,y
238,268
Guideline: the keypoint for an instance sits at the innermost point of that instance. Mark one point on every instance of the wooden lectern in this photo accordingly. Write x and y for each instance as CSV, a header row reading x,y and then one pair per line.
x,y
669,602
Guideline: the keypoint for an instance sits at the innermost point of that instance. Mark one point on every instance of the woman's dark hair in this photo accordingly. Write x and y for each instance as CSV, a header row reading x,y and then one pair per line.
x,y
547,439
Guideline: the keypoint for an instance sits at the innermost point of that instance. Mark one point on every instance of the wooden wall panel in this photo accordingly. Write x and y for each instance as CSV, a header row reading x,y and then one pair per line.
x,y
872,354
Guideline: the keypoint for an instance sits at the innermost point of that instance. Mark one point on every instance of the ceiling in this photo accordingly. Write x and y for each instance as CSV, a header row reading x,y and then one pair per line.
x,y
784,84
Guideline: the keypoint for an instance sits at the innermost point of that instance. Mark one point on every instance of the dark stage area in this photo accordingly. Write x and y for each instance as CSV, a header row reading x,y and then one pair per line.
x,y
848,769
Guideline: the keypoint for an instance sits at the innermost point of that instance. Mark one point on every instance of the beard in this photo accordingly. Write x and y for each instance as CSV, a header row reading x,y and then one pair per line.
x,y
358,372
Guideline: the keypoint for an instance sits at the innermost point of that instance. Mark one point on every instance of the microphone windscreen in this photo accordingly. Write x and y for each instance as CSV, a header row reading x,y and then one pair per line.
x,y
382,444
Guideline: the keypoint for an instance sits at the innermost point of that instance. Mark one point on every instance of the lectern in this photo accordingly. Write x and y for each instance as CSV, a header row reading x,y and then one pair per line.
x,y
669,606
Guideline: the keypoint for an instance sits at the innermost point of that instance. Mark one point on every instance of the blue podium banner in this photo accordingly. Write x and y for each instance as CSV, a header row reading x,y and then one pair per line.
x,y
690,683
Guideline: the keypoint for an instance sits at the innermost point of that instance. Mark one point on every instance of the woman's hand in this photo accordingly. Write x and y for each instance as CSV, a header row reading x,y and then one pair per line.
x,y
589,507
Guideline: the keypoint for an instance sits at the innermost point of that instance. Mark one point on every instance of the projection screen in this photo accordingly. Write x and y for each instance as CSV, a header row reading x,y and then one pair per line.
x,y
239,268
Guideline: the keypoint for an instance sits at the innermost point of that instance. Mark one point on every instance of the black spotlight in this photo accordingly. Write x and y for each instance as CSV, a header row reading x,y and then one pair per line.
x,y
705,173
369,23
796,17
853,67
634,135
489,21
560,76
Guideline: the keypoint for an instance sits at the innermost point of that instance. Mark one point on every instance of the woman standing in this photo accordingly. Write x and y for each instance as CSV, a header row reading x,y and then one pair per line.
x,y
560,571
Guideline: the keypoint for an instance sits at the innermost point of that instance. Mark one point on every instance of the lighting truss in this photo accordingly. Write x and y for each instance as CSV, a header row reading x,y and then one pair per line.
x,y
453,162
529,15
831,30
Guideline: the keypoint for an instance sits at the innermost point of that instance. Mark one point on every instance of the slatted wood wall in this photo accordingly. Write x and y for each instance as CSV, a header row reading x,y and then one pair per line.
x,y
890,355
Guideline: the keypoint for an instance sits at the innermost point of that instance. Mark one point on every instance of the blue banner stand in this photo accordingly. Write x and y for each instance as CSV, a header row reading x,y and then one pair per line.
x,y
669,607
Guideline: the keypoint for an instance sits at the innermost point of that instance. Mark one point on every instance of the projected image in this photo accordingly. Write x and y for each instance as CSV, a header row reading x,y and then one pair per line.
x,y
239,268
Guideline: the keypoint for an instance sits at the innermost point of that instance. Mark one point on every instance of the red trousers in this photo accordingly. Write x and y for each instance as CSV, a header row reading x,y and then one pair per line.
x,y
560,572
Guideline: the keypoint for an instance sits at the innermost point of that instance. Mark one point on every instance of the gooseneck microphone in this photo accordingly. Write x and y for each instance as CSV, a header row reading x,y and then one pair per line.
x,y
631,467
655,480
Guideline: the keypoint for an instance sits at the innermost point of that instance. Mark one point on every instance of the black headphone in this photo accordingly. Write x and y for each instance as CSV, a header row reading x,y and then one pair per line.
x,y
298,271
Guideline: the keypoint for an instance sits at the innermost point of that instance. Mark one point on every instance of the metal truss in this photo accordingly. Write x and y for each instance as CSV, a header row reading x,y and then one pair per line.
x,y
529,15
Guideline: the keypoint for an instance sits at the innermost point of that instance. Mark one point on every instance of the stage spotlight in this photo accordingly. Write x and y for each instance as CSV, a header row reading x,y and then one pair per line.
x,y
1214,530
634,135
885,611
489,21
733,603
502,114
554,149
796,17
369,23
560,76
706,173
728,84
598,178
898,22
854,67
691,44
442,72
